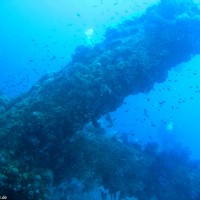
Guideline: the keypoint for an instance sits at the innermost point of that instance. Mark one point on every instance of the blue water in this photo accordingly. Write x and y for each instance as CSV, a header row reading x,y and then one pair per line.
x,y
173,103
39,37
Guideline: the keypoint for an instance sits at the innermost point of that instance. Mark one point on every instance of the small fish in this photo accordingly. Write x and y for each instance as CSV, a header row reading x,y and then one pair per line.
x,y
78,15
150,137
162,102
53,58
69,25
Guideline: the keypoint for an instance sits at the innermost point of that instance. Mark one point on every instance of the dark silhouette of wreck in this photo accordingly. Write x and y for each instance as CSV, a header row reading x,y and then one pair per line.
x,y
42,141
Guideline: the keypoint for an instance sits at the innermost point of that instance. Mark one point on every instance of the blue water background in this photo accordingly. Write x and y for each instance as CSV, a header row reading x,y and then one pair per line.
x,y
39,36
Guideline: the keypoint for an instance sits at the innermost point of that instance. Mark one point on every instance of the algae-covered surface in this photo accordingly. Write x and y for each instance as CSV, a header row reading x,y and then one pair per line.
x,y
53,144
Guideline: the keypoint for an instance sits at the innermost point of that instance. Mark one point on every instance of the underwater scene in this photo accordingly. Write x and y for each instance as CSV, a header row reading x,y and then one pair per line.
x,y
100,99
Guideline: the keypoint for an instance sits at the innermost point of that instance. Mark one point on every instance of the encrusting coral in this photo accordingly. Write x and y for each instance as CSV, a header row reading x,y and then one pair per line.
x,y
41,145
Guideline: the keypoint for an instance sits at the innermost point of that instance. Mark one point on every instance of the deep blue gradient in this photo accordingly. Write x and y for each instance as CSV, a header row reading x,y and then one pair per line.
x,y
38,37
171,111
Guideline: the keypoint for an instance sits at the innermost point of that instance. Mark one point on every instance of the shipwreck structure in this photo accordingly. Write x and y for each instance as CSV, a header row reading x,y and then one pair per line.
x,y
40,131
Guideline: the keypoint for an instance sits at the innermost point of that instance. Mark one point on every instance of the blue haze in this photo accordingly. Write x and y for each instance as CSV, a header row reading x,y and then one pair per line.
x,y
39,36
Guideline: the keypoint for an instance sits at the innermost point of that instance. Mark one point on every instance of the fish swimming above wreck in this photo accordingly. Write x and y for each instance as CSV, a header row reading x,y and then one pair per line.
x,y
45,147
